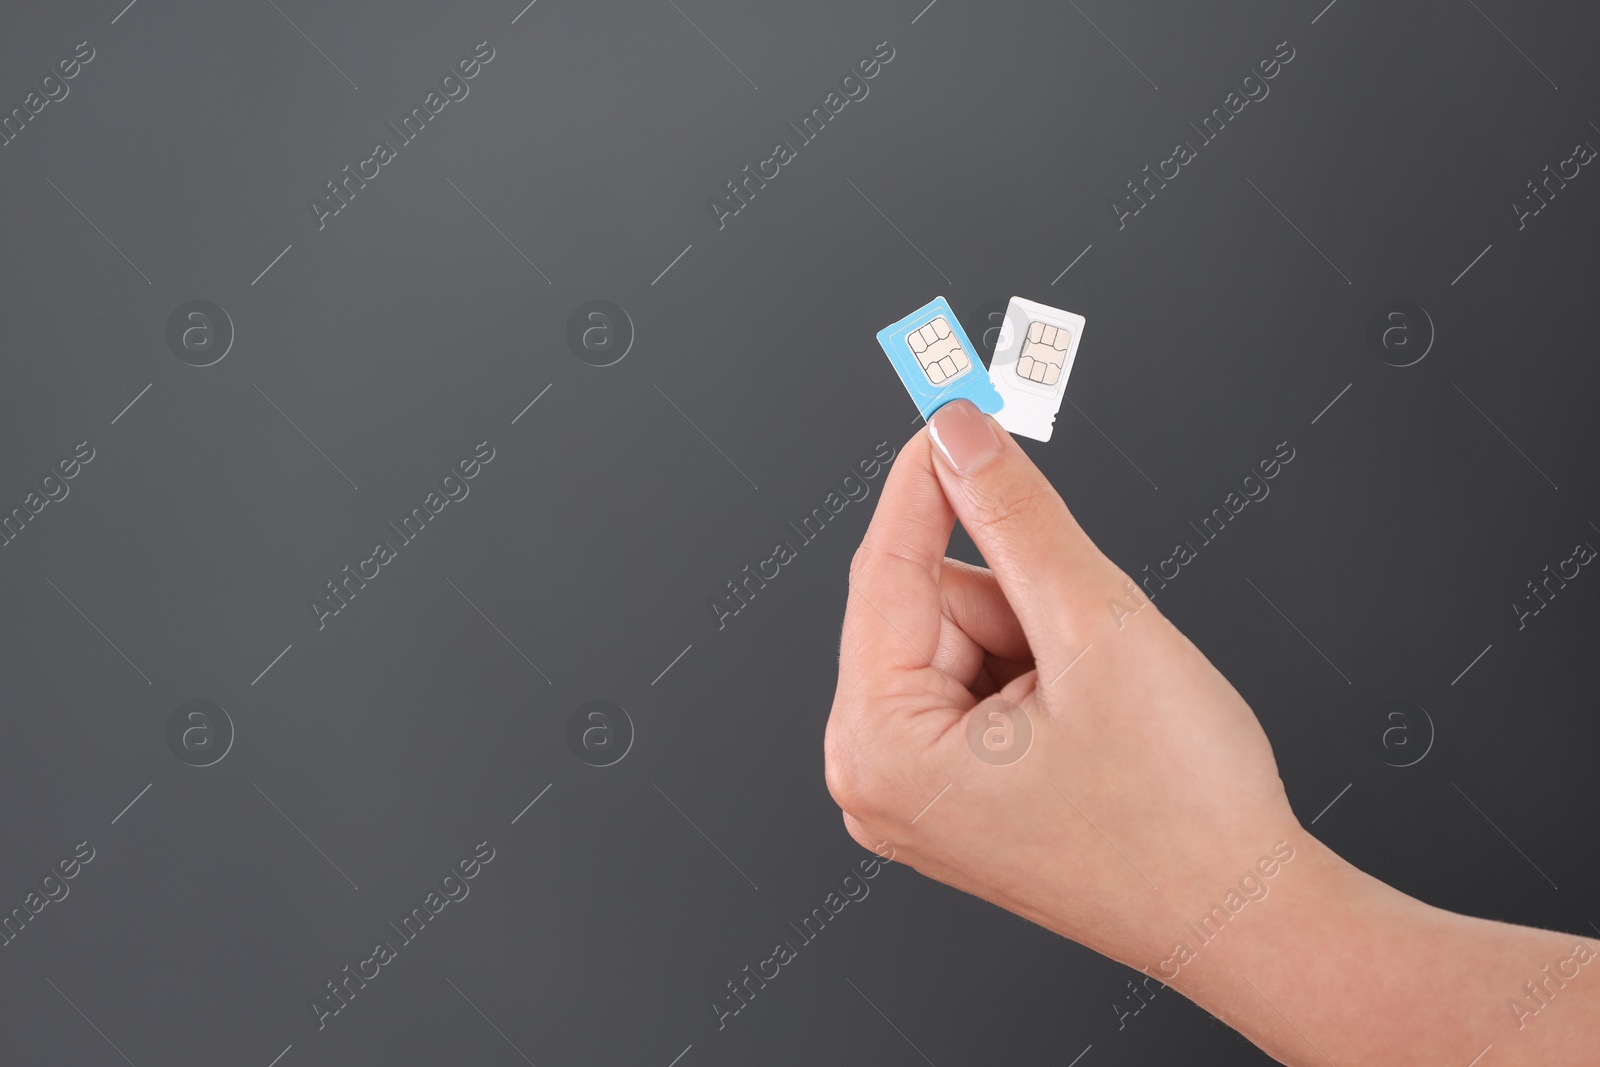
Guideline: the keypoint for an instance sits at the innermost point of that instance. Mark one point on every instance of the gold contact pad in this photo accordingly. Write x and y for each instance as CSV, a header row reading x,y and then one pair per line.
x,y
938,351
1043,353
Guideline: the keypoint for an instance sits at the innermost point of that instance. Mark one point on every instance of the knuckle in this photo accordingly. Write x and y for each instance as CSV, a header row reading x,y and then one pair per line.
x,y
843,778
858,562
860,834
997,508
852,782
889,555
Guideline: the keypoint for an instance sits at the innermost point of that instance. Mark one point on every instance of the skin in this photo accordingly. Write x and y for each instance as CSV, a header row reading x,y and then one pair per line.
x,y
1149,790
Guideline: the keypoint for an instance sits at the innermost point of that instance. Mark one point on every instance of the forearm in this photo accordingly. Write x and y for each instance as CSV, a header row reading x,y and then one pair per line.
x,y
1335,967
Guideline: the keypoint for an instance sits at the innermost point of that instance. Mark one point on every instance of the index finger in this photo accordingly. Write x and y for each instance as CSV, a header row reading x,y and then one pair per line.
x,y
892,616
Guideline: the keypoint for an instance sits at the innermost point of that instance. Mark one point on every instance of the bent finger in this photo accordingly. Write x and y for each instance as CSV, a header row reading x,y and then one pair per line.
x,y
893,613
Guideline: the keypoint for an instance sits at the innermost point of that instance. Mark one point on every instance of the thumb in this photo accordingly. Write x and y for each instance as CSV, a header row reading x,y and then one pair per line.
x,y
1051,573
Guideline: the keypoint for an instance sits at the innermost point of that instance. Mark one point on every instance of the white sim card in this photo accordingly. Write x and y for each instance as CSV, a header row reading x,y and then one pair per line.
x,y
1032,357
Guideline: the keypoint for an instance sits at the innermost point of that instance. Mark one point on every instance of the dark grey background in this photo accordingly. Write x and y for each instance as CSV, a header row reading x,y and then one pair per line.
x,y
409,329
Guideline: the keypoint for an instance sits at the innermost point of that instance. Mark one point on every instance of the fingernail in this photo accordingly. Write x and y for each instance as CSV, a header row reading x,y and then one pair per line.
x,y
964,436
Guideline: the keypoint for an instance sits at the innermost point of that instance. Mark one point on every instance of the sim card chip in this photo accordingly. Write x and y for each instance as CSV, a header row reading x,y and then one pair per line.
x,y
1044,350
938,351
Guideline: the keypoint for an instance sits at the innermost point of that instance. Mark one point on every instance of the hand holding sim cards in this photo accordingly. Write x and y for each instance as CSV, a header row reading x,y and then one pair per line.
x,y
1026,379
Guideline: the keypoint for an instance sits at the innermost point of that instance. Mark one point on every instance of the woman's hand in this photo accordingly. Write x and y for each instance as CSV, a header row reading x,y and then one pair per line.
x,y
1144,816
1148,787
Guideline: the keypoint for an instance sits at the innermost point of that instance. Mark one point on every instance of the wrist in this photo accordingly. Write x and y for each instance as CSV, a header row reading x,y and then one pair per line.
x,y
1332,943
1249,904
1252,952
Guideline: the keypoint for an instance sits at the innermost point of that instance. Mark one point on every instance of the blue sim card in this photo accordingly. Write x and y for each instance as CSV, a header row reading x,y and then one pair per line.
x,y
937,361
